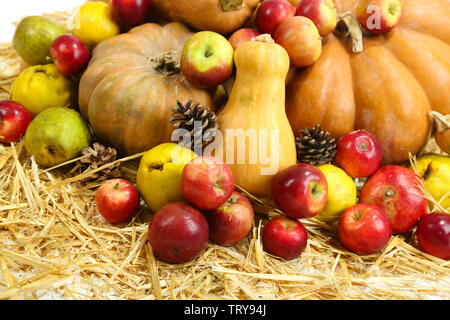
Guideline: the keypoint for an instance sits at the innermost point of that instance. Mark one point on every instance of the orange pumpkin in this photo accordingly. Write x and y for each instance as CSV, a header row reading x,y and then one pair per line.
x,y
132,83
388,89
222,16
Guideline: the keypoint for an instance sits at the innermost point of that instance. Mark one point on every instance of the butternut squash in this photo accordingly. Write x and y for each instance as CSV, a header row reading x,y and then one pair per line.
x,y
258,140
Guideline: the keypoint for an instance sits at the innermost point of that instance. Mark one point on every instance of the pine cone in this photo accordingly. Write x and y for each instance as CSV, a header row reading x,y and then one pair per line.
x,y
200,123
95,157
315,146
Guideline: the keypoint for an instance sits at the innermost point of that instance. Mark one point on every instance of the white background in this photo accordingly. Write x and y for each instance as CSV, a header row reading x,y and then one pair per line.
x,y
14,10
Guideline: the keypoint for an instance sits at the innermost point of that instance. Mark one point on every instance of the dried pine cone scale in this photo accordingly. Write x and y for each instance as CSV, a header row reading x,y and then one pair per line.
x,y
315,146
200,123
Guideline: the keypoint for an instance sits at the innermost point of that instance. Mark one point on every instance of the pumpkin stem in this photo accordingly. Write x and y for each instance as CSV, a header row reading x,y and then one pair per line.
x,y
232,5
348,27
264,38
442,122
166,63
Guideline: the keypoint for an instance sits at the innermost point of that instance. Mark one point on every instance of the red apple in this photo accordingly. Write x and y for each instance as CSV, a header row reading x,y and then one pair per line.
x,y
379,16
359,153
117,200
232,221
300,191
131,13
69,54
178,233
241,36
207,182
207,59
396,190
322,12
364,229
301,39
284,237
433,234
271,13
14,121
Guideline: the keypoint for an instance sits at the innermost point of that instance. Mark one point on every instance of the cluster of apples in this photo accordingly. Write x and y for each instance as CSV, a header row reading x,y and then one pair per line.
x,y
390,202
180,231
300,30
214,211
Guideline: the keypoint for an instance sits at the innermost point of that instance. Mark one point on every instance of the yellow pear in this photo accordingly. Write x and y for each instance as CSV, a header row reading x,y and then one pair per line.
x,y
95,22
41,87
435,172
159,175
341,193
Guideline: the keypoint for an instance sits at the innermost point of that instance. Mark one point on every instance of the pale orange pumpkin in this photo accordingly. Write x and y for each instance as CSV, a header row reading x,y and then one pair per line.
x,y
132,83
388,89
222,16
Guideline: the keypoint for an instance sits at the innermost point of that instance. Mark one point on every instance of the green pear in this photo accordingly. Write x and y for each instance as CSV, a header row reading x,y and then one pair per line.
x,y
33,38
57,135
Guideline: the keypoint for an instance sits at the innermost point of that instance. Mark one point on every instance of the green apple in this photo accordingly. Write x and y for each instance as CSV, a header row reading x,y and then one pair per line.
x,y
207,59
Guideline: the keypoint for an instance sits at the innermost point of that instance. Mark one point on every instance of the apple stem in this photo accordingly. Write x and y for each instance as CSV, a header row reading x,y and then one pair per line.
x,y
348,27
116,186
232,5
166,63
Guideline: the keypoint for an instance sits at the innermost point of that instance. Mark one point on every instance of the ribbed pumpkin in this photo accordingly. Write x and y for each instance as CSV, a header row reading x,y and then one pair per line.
x,y
389,88
132,83
222,16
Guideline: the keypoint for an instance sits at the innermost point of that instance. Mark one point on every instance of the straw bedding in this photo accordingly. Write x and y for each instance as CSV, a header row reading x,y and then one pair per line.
x,y
55,245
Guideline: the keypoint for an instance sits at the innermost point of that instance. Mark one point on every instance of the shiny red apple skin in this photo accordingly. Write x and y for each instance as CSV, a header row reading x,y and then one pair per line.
x,y
14,121
69,54
379,16
322,12
433,234
359,153
271,13
284,237
178,233
232,221
242,35
131,13
117,200
207,182
300,191
301,39
207,59
395,189
364,229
